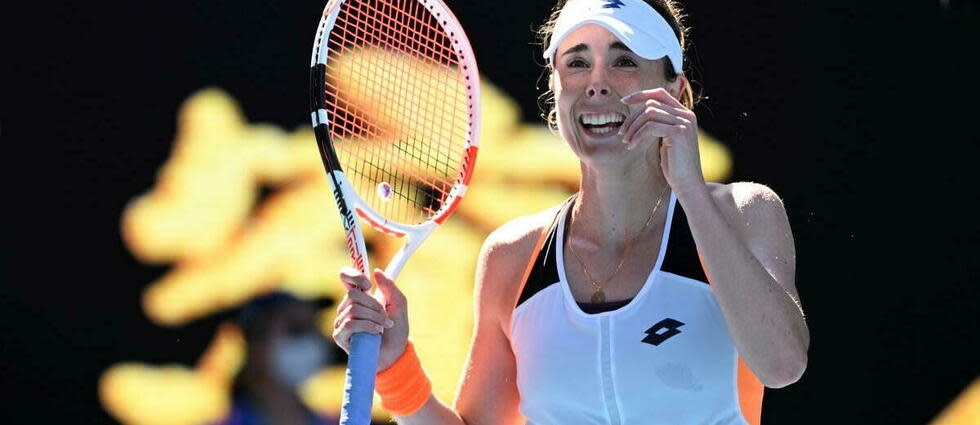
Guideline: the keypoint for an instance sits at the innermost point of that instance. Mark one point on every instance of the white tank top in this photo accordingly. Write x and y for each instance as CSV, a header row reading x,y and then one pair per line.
x,y
666,357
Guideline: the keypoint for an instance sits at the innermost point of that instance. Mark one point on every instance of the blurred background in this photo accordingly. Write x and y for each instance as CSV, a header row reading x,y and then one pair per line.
x,y
160,175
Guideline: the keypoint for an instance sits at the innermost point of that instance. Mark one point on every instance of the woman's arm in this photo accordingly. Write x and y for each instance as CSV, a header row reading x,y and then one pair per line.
x,y
746,247
488,388
742,235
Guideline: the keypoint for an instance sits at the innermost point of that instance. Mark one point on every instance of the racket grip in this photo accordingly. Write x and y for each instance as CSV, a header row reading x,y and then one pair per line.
x,y
362,365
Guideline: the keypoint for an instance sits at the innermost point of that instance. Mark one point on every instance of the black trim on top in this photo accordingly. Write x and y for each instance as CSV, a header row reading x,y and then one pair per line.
x,y
544,272
682,253
317,74
327,153
318,99
681,259
596,308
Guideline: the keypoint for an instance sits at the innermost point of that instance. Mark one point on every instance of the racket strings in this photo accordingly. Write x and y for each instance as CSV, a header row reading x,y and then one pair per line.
x,y
372,21
402,119
345,130
347,123
436,160
436,39
389,29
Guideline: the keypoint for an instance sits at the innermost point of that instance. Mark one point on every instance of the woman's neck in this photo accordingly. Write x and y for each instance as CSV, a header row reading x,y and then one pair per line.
x,y
612,207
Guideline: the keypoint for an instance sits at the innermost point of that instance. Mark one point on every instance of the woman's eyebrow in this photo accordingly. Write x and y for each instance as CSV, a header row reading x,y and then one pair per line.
x,y
577,48
619,46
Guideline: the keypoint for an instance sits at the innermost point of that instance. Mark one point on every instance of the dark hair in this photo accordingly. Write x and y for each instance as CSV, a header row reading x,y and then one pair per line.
x,y
672,13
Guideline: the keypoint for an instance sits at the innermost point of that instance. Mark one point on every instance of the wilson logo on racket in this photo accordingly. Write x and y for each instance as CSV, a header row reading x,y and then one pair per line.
x,y
663,330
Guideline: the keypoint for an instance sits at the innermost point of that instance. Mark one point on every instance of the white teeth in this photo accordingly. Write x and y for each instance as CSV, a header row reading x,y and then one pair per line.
x,y
602,119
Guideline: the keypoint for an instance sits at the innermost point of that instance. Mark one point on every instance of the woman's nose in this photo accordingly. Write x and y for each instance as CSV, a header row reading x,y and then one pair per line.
x,y
601,90
598,84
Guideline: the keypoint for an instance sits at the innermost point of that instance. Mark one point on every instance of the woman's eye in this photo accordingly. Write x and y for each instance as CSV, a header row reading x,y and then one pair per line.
x,y
625,62
576,63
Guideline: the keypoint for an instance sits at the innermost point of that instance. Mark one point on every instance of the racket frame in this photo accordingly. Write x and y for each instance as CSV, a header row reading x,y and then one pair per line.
x,y
348,202
364,348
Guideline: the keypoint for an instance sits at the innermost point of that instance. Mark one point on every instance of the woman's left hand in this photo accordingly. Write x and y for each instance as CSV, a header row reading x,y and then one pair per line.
x,y
663,117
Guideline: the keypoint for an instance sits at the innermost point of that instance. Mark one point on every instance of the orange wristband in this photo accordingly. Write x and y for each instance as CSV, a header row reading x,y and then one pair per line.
x,y
403,387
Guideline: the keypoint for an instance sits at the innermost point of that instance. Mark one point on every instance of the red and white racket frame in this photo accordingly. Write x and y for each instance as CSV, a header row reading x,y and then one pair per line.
x,y
349,203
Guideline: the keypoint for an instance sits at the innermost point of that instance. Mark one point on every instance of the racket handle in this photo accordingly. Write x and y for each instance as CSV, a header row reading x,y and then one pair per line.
x,y
362,365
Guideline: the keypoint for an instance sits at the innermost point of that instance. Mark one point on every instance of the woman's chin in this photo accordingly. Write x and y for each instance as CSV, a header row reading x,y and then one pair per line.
x,y
607,148
597,147
610,141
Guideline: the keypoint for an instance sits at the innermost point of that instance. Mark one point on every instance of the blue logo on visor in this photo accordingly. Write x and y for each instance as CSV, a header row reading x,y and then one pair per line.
x,y
613,4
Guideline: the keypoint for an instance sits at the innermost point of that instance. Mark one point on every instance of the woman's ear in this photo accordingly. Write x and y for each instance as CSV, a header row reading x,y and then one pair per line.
x,y
551,80
678,86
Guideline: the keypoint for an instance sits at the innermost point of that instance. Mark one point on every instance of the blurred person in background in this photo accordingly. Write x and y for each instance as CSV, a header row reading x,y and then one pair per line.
x,y
284,349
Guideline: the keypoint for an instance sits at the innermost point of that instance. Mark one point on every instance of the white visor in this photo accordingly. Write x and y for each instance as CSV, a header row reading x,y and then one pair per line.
x,y
634,22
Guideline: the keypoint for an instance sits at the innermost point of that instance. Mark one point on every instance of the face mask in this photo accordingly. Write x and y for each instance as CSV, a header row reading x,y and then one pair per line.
x,y
298,358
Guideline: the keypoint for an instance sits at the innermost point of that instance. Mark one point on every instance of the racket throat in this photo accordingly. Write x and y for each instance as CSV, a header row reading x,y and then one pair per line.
x,y
401,257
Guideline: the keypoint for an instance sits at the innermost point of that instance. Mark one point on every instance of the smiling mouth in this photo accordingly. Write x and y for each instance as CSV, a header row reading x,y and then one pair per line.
x,y
601,124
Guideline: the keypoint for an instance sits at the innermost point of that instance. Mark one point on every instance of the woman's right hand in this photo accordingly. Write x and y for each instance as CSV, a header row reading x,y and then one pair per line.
x,y
386,313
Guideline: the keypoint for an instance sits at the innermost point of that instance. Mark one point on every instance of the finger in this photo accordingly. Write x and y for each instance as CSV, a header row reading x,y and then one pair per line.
x,y
341,307
678,115
665,132
358,297
390,291
630,120
649,129
637,97
666,113
341,336
653,129
360,312
658,93
354,279
651,113
678,111
664,101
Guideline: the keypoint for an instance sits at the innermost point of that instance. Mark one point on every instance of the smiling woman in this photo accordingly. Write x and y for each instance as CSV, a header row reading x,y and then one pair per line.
x,y
669,11
676,302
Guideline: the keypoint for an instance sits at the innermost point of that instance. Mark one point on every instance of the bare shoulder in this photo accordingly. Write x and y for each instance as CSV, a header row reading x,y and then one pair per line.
x,y
747,201
515,239
504,257
742,195
758,217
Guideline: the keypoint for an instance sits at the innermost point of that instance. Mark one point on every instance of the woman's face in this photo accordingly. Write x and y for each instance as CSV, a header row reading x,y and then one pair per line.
x,y
593,71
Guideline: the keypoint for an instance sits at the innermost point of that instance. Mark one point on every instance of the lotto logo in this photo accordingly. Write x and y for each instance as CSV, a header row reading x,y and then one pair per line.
x,y
663,330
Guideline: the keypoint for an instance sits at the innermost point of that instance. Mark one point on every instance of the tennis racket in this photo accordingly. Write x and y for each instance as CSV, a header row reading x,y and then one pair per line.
x,y
395,107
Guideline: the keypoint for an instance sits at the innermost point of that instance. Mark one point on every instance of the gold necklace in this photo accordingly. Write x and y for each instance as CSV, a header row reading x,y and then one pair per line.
x,y
598,296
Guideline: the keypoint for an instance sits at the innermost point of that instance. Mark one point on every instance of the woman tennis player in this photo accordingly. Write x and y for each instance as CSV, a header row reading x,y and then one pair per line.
x,y
599,311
